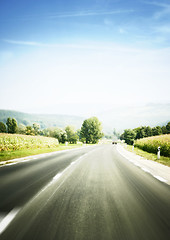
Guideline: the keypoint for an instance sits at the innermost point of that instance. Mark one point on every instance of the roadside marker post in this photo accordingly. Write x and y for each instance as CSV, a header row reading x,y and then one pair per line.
x,y
158,153
133,147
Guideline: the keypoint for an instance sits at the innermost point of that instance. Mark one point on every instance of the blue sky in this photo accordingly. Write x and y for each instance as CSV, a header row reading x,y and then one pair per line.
x,y
144,23
54,53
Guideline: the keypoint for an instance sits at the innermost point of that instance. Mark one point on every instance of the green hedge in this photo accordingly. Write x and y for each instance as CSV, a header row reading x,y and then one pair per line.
x,y
151,144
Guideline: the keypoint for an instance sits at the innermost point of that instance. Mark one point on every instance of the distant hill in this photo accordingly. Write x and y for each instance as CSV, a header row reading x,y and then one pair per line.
x,y
115,117
45,120
122,117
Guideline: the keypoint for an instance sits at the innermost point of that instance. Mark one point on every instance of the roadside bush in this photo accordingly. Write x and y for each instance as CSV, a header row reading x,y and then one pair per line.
x,y
151,144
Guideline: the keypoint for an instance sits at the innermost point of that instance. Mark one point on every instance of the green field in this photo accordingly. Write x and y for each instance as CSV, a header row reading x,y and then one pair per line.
x,y
151,144
16,145
148,147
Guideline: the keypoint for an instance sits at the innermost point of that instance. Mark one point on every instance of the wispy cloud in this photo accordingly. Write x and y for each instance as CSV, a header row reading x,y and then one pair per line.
x,y
90,13
157,4
68,15
92,46
40,44
165,9
22,42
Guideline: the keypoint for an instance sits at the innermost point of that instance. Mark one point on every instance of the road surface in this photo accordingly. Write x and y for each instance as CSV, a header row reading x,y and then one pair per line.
x,y
91,193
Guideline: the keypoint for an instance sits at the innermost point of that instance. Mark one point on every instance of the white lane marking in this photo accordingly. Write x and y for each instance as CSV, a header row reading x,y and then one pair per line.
x,y
6,221
160,178
145,169
56,177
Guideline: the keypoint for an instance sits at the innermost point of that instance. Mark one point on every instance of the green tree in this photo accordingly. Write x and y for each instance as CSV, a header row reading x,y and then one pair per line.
x,y
14,125
60,134
156,131
11,125
164,130
21,129
148,131
63,137
70,132
168,127
36,128
122,136
29,130
2,128
91,130
78,133
72,137
129,136
140,132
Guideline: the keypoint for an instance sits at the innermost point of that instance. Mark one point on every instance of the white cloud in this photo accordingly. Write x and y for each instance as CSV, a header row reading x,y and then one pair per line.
x,y
90,13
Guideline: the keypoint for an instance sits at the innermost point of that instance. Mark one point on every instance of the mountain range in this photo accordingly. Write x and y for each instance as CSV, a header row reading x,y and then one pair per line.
x,y
115,117
45,120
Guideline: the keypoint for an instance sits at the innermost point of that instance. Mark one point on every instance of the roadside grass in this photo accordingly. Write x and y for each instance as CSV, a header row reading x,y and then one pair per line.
x,y
16,146
9,155
149,156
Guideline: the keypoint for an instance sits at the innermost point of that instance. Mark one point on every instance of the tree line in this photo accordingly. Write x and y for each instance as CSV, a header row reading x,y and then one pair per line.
x,y
90,132
130,135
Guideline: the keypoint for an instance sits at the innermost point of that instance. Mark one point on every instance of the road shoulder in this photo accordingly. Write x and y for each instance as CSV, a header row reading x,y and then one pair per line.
x,y
157,170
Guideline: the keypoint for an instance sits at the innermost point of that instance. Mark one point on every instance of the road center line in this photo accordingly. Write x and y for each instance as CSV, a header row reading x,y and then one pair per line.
x,y
57,176
6,221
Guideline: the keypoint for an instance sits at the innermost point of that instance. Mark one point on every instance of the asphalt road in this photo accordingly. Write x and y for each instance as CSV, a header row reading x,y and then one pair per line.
x,y
92,193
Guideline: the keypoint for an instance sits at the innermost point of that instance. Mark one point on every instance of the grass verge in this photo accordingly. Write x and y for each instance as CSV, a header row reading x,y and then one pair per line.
x,y
9,155
149,156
